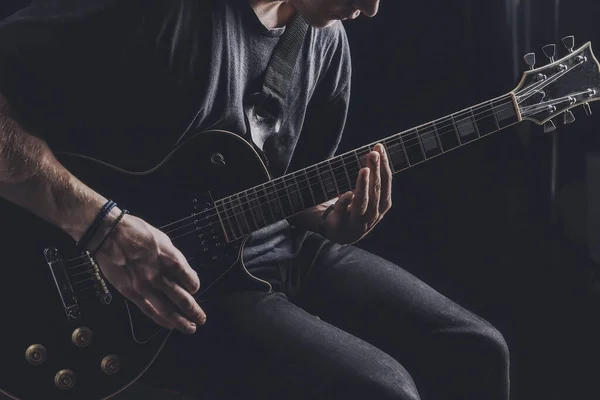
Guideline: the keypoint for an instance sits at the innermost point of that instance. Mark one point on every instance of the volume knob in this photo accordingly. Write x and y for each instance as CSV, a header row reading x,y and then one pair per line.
x,y
36,354
64,379
82,337
110,364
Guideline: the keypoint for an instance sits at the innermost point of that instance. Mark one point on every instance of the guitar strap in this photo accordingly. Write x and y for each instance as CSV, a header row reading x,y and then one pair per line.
x,y
265,108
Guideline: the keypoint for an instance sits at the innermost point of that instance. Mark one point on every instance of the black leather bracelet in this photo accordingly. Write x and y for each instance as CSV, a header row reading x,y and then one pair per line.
x,y
112,230
89,232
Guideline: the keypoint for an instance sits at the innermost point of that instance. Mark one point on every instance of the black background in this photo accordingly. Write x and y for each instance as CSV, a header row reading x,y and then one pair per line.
x,y
476,223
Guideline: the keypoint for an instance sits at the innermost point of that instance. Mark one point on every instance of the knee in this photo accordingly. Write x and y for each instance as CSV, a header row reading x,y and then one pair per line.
x,y
386,380
487,345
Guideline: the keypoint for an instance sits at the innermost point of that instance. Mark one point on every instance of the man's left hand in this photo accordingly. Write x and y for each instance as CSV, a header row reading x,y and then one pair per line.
x,y
356,213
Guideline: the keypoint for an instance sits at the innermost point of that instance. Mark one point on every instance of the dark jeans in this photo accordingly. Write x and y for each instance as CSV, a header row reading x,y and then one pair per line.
x,y
344,324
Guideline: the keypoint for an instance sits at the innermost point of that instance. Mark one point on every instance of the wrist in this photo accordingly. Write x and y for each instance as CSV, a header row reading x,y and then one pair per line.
x,y
104,229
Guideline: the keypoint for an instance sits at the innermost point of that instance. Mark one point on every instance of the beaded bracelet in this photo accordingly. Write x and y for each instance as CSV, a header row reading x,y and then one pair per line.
x,y
112,230
87,235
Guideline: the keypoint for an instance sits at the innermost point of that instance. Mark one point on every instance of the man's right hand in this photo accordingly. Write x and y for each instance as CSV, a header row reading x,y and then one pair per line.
x,y
143,265
138,259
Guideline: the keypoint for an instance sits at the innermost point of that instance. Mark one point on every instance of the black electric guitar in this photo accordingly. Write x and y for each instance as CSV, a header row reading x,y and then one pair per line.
x,y
68,334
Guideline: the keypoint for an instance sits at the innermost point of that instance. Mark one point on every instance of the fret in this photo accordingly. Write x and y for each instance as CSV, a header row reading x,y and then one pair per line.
x,y
505,113
436,133
397,153
328,180
236,230
352,163
358,161
304,189
273,199
334,176
413,146
455,128
313,199
340,175
256,210
247,208
429,142
485,118
465,128
361,155
316,185
293,190
284,198
385,147
225,222
448,138
265,205
239,215
247,213
494,114
474,122
348,184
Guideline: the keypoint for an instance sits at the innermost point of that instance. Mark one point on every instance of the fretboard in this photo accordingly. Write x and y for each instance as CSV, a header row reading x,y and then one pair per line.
x,y
288,195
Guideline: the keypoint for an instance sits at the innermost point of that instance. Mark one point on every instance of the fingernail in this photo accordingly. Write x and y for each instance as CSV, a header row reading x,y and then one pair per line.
x,y
376,157
192,328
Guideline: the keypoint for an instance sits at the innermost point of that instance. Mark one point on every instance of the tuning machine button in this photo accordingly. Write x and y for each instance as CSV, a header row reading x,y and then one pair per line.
x,y
549,127
36,354
530,60
550,51
569,42
587,109
569,118
64,379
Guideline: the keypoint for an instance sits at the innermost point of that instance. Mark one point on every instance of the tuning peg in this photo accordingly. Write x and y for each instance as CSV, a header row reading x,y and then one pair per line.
x,y
587,109
569,117
550,51
549,127
569,42
530,60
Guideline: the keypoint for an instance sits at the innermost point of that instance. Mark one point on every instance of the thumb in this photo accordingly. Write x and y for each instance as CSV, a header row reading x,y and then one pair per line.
x,y
341,206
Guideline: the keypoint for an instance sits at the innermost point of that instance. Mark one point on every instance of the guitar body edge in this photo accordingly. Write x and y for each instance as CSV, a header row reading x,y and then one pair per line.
x,y
109,345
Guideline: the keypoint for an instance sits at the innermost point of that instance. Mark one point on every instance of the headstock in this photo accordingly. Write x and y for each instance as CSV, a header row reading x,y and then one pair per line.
x,y
549,91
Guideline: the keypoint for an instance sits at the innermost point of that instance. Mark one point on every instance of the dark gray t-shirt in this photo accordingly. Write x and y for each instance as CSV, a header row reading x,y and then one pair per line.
x,y
88,75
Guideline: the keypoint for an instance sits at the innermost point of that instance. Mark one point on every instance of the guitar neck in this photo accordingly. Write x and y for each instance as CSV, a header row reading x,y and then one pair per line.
x,y
288,195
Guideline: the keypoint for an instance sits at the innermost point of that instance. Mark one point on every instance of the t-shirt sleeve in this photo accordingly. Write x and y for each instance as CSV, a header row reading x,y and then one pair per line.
x,y
327,110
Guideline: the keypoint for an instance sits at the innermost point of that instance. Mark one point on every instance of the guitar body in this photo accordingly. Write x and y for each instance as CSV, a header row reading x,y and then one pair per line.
x,y
96,346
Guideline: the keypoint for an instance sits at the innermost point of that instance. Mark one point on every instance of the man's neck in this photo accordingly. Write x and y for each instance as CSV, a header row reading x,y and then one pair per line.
x,y
273,13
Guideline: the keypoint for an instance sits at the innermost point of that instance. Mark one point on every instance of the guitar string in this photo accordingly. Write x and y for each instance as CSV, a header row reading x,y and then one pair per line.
x,y
441,132
455,121
337,159
552,79
337,171
533,91
418,134
522,96
243,213
301,181
533,110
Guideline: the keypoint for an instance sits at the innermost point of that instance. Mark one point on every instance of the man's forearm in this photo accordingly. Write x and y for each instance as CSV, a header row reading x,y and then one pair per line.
x,y
31,177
